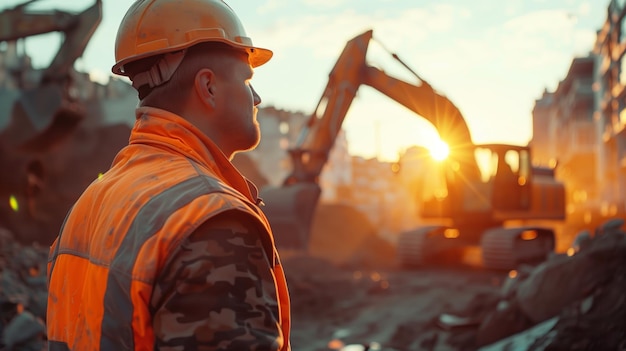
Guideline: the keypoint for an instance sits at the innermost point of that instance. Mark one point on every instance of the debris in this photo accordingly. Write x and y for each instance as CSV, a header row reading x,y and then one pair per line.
x,y
554,285
586,305
23,294
24,332
524,340
611,226
508,319
449,321
582,241
564,280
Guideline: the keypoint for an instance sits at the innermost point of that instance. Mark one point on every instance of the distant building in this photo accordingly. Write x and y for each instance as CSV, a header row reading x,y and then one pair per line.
x,y
610,114
279,130
576,142
336,178
582,124
369,186
544,131
415,183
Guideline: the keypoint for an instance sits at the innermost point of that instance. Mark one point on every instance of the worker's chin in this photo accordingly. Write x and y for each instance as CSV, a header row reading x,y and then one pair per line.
x,y
256,142
252,140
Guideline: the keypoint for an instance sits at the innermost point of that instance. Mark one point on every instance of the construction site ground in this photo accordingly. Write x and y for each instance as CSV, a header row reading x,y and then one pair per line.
x,y
349,292
395,308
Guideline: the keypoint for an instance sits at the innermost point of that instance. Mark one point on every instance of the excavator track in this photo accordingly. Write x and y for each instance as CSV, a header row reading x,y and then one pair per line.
x,y
507,248
425,245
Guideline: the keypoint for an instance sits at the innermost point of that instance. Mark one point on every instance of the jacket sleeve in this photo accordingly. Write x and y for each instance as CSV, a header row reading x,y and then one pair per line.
x,y
217,291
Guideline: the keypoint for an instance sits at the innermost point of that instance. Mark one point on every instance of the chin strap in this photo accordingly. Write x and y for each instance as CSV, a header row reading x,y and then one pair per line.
x,y
159,73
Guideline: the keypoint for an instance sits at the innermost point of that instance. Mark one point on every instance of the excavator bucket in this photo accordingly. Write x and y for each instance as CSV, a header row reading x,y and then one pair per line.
x,y
290,210
51,117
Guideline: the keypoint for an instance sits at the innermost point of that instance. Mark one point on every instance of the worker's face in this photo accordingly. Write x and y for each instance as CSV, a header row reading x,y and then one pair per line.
x,y
237,107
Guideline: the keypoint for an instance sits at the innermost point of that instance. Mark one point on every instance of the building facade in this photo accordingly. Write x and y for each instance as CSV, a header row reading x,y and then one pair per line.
x,y
610,114
582,125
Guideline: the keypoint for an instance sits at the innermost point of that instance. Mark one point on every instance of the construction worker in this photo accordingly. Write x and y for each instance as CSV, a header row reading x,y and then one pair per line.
x,y
169,248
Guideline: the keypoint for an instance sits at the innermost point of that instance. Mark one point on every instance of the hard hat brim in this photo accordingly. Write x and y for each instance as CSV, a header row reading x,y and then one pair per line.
x,y
256,56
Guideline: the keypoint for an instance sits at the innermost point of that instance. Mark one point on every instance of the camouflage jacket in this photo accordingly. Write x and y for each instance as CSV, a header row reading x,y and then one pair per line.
x,y
217,292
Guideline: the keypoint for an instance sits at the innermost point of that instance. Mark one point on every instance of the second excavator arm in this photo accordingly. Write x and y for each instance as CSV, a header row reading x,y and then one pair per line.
x,y
47,104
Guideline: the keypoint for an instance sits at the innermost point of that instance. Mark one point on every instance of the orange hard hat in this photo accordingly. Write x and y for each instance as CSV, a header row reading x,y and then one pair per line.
x,y
155,27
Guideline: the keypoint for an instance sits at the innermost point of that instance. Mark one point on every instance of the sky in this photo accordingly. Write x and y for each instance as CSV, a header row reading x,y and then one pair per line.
x,y
492,58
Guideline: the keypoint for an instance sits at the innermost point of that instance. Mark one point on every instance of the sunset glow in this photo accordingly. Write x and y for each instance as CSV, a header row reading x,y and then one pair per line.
x,y
439,150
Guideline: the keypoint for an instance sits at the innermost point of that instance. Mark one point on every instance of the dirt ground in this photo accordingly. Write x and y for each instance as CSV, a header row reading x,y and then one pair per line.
x,y
349,289
395,308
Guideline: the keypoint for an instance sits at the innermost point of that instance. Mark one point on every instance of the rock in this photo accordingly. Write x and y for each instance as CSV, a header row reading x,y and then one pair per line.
x,y
524,340
449,321
507,319
558,283
25,328
586,305
610,226
513,279
23,294
12,289
596,323
582,241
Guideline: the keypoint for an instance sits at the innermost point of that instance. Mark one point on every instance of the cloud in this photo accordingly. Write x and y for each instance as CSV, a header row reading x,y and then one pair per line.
x,y
325,4
326,33
271,5
584,8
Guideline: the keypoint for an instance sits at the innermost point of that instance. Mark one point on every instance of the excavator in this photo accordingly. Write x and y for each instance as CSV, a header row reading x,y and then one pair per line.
x,y
493,197
46,102
58,129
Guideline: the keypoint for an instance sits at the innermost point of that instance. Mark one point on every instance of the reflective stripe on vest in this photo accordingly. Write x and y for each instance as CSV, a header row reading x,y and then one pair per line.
x,y
116,331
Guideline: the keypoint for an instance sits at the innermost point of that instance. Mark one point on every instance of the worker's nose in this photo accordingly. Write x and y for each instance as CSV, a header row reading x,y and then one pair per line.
x,y
255,96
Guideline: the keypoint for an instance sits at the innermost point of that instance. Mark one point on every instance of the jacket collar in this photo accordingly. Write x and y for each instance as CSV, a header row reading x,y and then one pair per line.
x,y
165,129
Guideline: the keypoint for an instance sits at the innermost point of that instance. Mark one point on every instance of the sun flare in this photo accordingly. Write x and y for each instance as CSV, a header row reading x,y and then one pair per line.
x,y
439,150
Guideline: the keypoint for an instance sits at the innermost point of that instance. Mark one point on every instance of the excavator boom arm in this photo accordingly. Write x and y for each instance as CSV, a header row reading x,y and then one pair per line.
x,y
424,101
351,70
316,140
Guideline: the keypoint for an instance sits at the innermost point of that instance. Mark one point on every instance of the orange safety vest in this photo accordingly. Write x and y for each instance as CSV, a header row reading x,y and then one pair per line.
x,y
116,239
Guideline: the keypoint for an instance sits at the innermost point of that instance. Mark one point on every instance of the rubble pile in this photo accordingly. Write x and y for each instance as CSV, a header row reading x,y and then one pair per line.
x,y
575,301
571,301
23,294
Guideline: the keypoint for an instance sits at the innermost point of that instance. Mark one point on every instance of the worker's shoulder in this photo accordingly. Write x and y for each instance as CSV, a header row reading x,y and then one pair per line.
x,y
229,220
216,193
233,228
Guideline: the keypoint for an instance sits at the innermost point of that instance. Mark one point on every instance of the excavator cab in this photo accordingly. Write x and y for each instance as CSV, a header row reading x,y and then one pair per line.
x,y
499,178
474,206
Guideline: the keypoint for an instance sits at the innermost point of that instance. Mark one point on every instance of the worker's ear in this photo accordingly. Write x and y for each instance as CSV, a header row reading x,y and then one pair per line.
x,y
205,86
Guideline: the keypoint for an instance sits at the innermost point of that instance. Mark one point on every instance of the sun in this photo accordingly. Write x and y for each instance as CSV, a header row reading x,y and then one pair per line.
x,y
439,150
